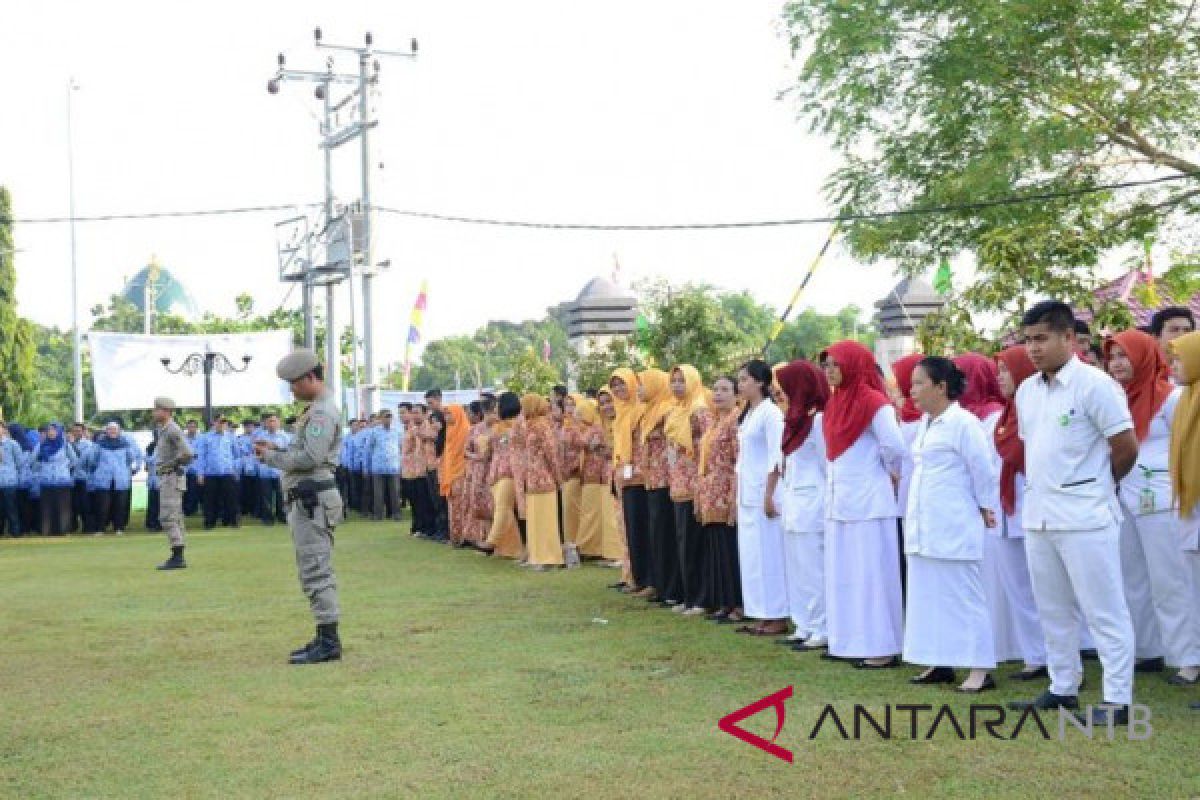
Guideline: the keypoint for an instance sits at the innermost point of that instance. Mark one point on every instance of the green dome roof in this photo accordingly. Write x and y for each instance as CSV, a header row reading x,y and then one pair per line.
x,y
170,296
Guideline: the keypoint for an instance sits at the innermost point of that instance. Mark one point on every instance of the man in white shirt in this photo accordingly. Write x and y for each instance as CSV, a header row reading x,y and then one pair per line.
x,y
1079,442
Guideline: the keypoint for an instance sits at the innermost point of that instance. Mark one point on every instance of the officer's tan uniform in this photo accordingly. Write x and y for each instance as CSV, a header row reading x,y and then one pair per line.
x,y
172,454
312,456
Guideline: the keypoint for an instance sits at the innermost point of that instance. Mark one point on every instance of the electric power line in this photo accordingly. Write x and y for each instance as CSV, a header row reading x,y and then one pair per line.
x,y
1009,200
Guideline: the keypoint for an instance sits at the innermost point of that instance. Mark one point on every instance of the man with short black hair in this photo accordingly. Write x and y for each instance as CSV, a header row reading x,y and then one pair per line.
x,y
1169,323
1079,443
270,488
434,399
192,495
383,461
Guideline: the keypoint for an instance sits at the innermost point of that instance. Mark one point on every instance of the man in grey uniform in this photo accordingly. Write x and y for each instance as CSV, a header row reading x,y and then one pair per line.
x,y
314,506
171,457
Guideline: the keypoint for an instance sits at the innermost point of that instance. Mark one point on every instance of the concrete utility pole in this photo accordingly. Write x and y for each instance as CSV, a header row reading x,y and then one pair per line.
x,y
361,250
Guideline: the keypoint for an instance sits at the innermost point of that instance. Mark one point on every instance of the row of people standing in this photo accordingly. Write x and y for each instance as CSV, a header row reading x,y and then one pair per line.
x,y
843,501
54,481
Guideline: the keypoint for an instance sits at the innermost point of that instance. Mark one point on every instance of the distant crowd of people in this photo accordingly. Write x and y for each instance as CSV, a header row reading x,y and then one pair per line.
x,y
55,481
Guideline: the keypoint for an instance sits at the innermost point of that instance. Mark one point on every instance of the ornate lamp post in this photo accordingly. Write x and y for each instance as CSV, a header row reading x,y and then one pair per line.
x,y
206,362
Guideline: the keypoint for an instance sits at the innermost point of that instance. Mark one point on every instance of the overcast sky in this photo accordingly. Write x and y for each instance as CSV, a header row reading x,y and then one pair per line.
x,y
629,112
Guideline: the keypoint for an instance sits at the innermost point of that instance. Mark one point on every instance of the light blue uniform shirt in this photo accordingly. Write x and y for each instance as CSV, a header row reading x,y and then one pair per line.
x,y
383,450
113,468
217,454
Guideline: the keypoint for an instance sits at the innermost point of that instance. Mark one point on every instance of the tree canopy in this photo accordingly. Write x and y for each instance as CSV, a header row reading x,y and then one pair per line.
x,y
17,373
936,103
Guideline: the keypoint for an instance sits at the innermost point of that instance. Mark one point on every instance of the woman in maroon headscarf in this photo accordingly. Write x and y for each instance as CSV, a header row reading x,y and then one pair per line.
x,y
910,418
864,448
807,392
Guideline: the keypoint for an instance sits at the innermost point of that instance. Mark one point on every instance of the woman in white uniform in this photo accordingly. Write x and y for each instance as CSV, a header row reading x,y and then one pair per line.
x,y
863,607
760,530
807,391
951,501
1158,583
983,398
1185,461
1013,368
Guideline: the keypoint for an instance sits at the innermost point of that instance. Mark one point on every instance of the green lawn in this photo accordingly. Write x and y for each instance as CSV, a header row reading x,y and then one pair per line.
x,y
463,677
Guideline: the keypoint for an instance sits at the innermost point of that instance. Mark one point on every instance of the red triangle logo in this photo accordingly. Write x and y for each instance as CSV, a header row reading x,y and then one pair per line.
x,y
729,724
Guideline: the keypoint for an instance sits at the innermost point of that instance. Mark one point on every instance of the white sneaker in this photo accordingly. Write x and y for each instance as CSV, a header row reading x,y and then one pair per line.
x,y
120,533
695,611
680,608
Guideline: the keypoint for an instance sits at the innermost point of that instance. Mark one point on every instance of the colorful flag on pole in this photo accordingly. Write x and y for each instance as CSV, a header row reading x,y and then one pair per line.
x,y
943,282
415,321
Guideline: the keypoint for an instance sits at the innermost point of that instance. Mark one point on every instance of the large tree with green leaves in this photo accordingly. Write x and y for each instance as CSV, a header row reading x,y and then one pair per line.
x,y
17,352
937,103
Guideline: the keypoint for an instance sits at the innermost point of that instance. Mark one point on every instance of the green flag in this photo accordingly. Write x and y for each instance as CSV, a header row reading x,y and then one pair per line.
x,y
943,281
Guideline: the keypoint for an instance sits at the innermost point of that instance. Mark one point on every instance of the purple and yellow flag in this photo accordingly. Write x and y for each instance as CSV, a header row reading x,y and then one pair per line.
x,y
415,321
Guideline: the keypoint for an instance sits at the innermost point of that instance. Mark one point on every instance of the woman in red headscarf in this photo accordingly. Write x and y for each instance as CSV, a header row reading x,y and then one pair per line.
x,y
984,398
807,391
1008,538
910,418
864,609
1158,582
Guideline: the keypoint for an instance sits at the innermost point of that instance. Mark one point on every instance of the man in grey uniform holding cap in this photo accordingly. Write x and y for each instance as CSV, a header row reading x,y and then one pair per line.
x,y
171,457
314,506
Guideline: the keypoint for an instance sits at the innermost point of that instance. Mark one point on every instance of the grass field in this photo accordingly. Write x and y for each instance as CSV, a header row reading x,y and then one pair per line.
x,y
463,677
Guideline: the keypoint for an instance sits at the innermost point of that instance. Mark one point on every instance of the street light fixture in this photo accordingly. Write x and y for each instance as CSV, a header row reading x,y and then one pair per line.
x,y
206,362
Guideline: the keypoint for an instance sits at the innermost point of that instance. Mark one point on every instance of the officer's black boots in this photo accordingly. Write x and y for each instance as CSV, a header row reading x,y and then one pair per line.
x,y
326,647
175,561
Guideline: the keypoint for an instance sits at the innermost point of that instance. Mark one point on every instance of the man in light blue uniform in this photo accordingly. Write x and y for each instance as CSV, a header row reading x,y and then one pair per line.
x,y
11,457
383,463
192,494
248,468
218,459
270,489
81,506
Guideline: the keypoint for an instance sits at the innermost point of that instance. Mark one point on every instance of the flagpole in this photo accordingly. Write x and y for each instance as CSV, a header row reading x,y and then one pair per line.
x,y
778,327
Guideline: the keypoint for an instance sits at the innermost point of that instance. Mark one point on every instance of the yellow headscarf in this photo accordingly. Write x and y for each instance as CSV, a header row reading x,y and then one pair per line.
x,y
1185,428
679,421
629,414
534,406
569,419
605,422
658,399
587,410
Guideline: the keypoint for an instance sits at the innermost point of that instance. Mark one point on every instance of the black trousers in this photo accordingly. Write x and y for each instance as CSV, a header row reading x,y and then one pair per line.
x,y
633,504
725,571
81,508
386,491
248,494
270,501
152,508
112,508
56,510
220,501
191,495
664,553
10,512
693,556
366,499
441,509
343,483
423,514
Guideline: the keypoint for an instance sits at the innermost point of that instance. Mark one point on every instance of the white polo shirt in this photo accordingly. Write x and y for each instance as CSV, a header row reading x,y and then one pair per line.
x,y
1066,423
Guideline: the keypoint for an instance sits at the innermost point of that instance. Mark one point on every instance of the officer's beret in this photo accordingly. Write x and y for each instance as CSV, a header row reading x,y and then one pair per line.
x,y
164,403
296,365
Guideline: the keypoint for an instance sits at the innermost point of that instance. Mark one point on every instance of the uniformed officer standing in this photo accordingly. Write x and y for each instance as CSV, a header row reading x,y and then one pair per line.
x,y
171,457
314,505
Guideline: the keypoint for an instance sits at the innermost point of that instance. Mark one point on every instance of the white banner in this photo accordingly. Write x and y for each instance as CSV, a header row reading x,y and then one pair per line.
x,y
128,373
390,398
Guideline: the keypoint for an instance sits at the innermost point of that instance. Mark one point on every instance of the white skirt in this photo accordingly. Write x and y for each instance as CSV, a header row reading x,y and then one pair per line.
x,y
1000,607
762,559
862,588
947,624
